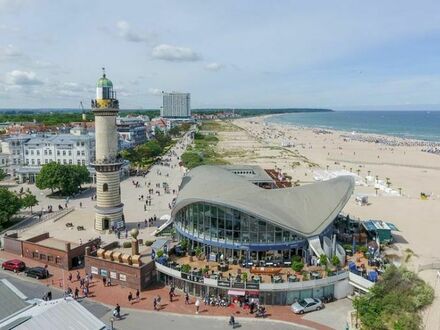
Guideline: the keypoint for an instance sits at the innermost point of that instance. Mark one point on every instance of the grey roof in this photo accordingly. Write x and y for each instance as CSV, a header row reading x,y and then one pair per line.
x,y
56,314
306,210
10,302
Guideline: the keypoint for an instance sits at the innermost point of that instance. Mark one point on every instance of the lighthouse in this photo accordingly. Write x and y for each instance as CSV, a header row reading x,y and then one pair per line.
x,y
108,209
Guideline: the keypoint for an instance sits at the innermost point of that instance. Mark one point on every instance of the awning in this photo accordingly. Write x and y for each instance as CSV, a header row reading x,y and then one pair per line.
x,y
236,293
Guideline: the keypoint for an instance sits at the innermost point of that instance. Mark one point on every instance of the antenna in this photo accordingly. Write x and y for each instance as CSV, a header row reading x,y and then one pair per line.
x,y
103,72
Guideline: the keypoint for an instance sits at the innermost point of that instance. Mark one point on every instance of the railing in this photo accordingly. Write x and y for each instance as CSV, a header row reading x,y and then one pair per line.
x,y
225,283
360,282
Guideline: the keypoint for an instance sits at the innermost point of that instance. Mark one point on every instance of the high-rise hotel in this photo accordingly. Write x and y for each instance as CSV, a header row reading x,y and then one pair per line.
x,y
176,105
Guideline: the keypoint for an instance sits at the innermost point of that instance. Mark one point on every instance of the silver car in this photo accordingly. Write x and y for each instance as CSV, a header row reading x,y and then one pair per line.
x,y
307,305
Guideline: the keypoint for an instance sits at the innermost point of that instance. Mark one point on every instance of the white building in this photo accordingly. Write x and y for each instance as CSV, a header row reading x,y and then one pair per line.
x,y
176,105
13,149
74,149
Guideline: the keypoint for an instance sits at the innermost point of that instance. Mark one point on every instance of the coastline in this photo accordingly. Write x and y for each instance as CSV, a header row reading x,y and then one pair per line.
x,y
306,153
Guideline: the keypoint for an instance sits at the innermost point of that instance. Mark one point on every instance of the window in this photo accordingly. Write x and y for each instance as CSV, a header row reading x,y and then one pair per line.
x,y
78,162
32,152
58,260
77,152
46,161
33,161
50,152
43,256
38,161
64,162
83,153
45,151
70,152
35,255
38,152
50,258
64,152
58,152
83,162
70,161
105,187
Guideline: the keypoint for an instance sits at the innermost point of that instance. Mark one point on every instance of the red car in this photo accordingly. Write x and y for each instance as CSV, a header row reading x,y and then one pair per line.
x,y
15,265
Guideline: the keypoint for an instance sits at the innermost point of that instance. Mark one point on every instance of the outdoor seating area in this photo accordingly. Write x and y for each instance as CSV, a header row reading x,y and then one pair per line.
x,y
235,272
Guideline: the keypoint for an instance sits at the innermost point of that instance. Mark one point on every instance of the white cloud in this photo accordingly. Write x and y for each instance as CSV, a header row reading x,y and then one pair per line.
x,y
10,52
22,78
155,91
174,53
126,32
214,66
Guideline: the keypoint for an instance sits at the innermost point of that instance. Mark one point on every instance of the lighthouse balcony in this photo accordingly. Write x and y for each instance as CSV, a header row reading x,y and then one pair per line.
x,y
105,104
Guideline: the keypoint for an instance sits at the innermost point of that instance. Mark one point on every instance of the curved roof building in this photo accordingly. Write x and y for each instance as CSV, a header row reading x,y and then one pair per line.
x,y
219,208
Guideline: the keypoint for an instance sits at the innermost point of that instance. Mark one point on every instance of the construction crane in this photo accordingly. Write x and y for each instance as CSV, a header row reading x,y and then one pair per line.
x,y
84,117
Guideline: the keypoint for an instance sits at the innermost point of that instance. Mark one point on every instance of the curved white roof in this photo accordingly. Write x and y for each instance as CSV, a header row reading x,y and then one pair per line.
x,y
306,210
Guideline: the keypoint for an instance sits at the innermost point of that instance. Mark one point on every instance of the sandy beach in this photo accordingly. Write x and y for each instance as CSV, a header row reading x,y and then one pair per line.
x,y
304,154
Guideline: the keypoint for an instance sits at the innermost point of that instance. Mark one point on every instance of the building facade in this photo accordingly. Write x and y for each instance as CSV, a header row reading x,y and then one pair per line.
x,y
132,131
107,164
176,105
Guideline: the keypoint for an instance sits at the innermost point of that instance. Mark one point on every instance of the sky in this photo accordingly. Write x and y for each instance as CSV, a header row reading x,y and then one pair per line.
x,y
231,53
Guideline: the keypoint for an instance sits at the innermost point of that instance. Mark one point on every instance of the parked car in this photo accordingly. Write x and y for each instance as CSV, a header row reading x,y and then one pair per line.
x,y
37,272
307,305
15,265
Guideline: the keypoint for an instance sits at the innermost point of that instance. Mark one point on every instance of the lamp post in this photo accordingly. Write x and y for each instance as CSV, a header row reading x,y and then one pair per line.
x,y
112,319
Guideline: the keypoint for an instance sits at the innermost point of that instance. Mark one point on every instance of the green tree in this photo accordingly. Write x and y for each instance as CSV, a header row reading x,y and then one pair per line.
x,y
10,204
2,174
395,302
28,201
66,178
49,176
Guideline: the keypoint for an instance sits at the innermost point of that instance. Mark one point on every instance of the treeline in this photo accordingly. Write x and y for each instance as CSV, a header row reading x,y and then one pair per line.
x,y
62,117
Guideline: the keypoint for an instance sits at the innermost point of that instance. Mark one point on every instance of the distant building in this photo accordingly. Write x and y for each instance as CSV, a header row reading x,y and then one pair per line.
x,y
131,130
13,148
176,105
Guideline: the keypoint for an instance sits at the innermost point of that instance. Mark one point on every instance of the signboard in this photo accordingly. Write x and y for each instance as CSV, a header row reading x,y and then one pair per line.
x,y
123,277
113,275
238,285
103,272
94,270
223,283
253,286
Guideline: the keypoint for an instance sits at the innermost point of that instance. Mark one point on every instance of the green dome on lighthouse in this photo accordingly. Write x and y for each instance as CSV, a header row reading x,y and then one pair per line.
x,y
104,81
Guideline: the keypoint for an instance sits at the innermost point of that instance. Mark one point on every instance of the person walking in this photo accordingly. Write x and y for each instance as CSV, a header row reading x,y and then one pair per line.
x,y
158,300
76,293
171,296
232,321
197,304
109,281
104,281
118,311
130,297
70,277
138,298
186,298
155,304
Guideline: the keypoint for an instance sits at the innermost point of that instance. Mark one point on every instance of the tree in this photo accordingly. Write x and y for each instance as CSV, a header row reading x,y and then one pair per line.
x,y
2,174
29,200
67,178
395,302
10,204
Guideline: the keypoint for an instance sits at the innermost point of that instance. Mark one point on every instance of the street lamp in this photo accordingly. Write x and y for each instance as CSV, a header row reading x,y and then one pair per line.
x,y
112,319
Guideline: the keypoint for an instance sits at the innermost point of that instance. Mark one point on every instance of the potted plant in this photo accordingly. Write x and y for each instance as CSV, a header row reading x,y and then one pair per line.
x,y
336,262
198,251
297,266
159,253
323,260
185,268
244,277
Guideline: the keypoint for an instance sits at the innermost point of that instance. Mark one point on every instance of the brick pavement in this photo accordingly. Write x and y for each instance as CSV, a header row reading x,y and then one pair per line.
x,y
118,294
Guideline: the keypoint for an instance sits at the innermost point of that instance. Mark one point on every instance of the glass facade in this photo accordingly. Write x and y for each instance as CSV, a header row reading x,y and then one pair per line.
x,y
213,223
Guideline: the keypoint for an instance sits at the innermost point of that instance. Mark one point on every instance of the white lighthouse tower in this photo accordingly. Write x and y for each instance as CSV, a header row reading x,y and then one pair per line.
x,y
108,209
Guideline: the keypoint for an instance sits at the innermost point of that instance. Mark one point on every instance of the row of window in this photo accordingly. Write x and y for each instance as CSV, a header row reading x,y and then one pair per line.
x,y
49,152
218,223
48,258
47,161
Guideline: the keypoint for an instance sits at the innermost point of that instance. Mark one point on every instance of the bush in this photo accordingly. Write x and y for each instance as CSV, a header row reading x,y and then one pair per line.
x,y
297,266
126,245
323,260
335,261
296,259
185,268
244,277
149,243
198,251
184,244
362,248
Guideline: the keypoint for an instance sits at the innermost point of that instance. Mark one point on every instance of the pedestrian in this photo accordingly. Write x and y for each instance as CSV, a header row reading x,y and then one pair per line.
x,y
158,300
85,294
130,297
232,321
78,276
155,304
80,204
197,304
138,298
171,296
104,280
76,293
49,295
109,282
70,277
118,311
186,298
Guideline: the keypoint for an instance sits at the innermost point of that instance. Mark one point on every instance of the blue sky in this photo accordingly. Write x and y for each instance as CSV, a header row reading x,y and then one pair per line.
x,y
332,54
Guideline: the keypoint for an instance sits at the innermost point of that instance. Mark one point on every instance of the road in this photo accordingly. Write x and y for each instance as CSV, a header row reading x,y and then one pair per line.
x,y
136,319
